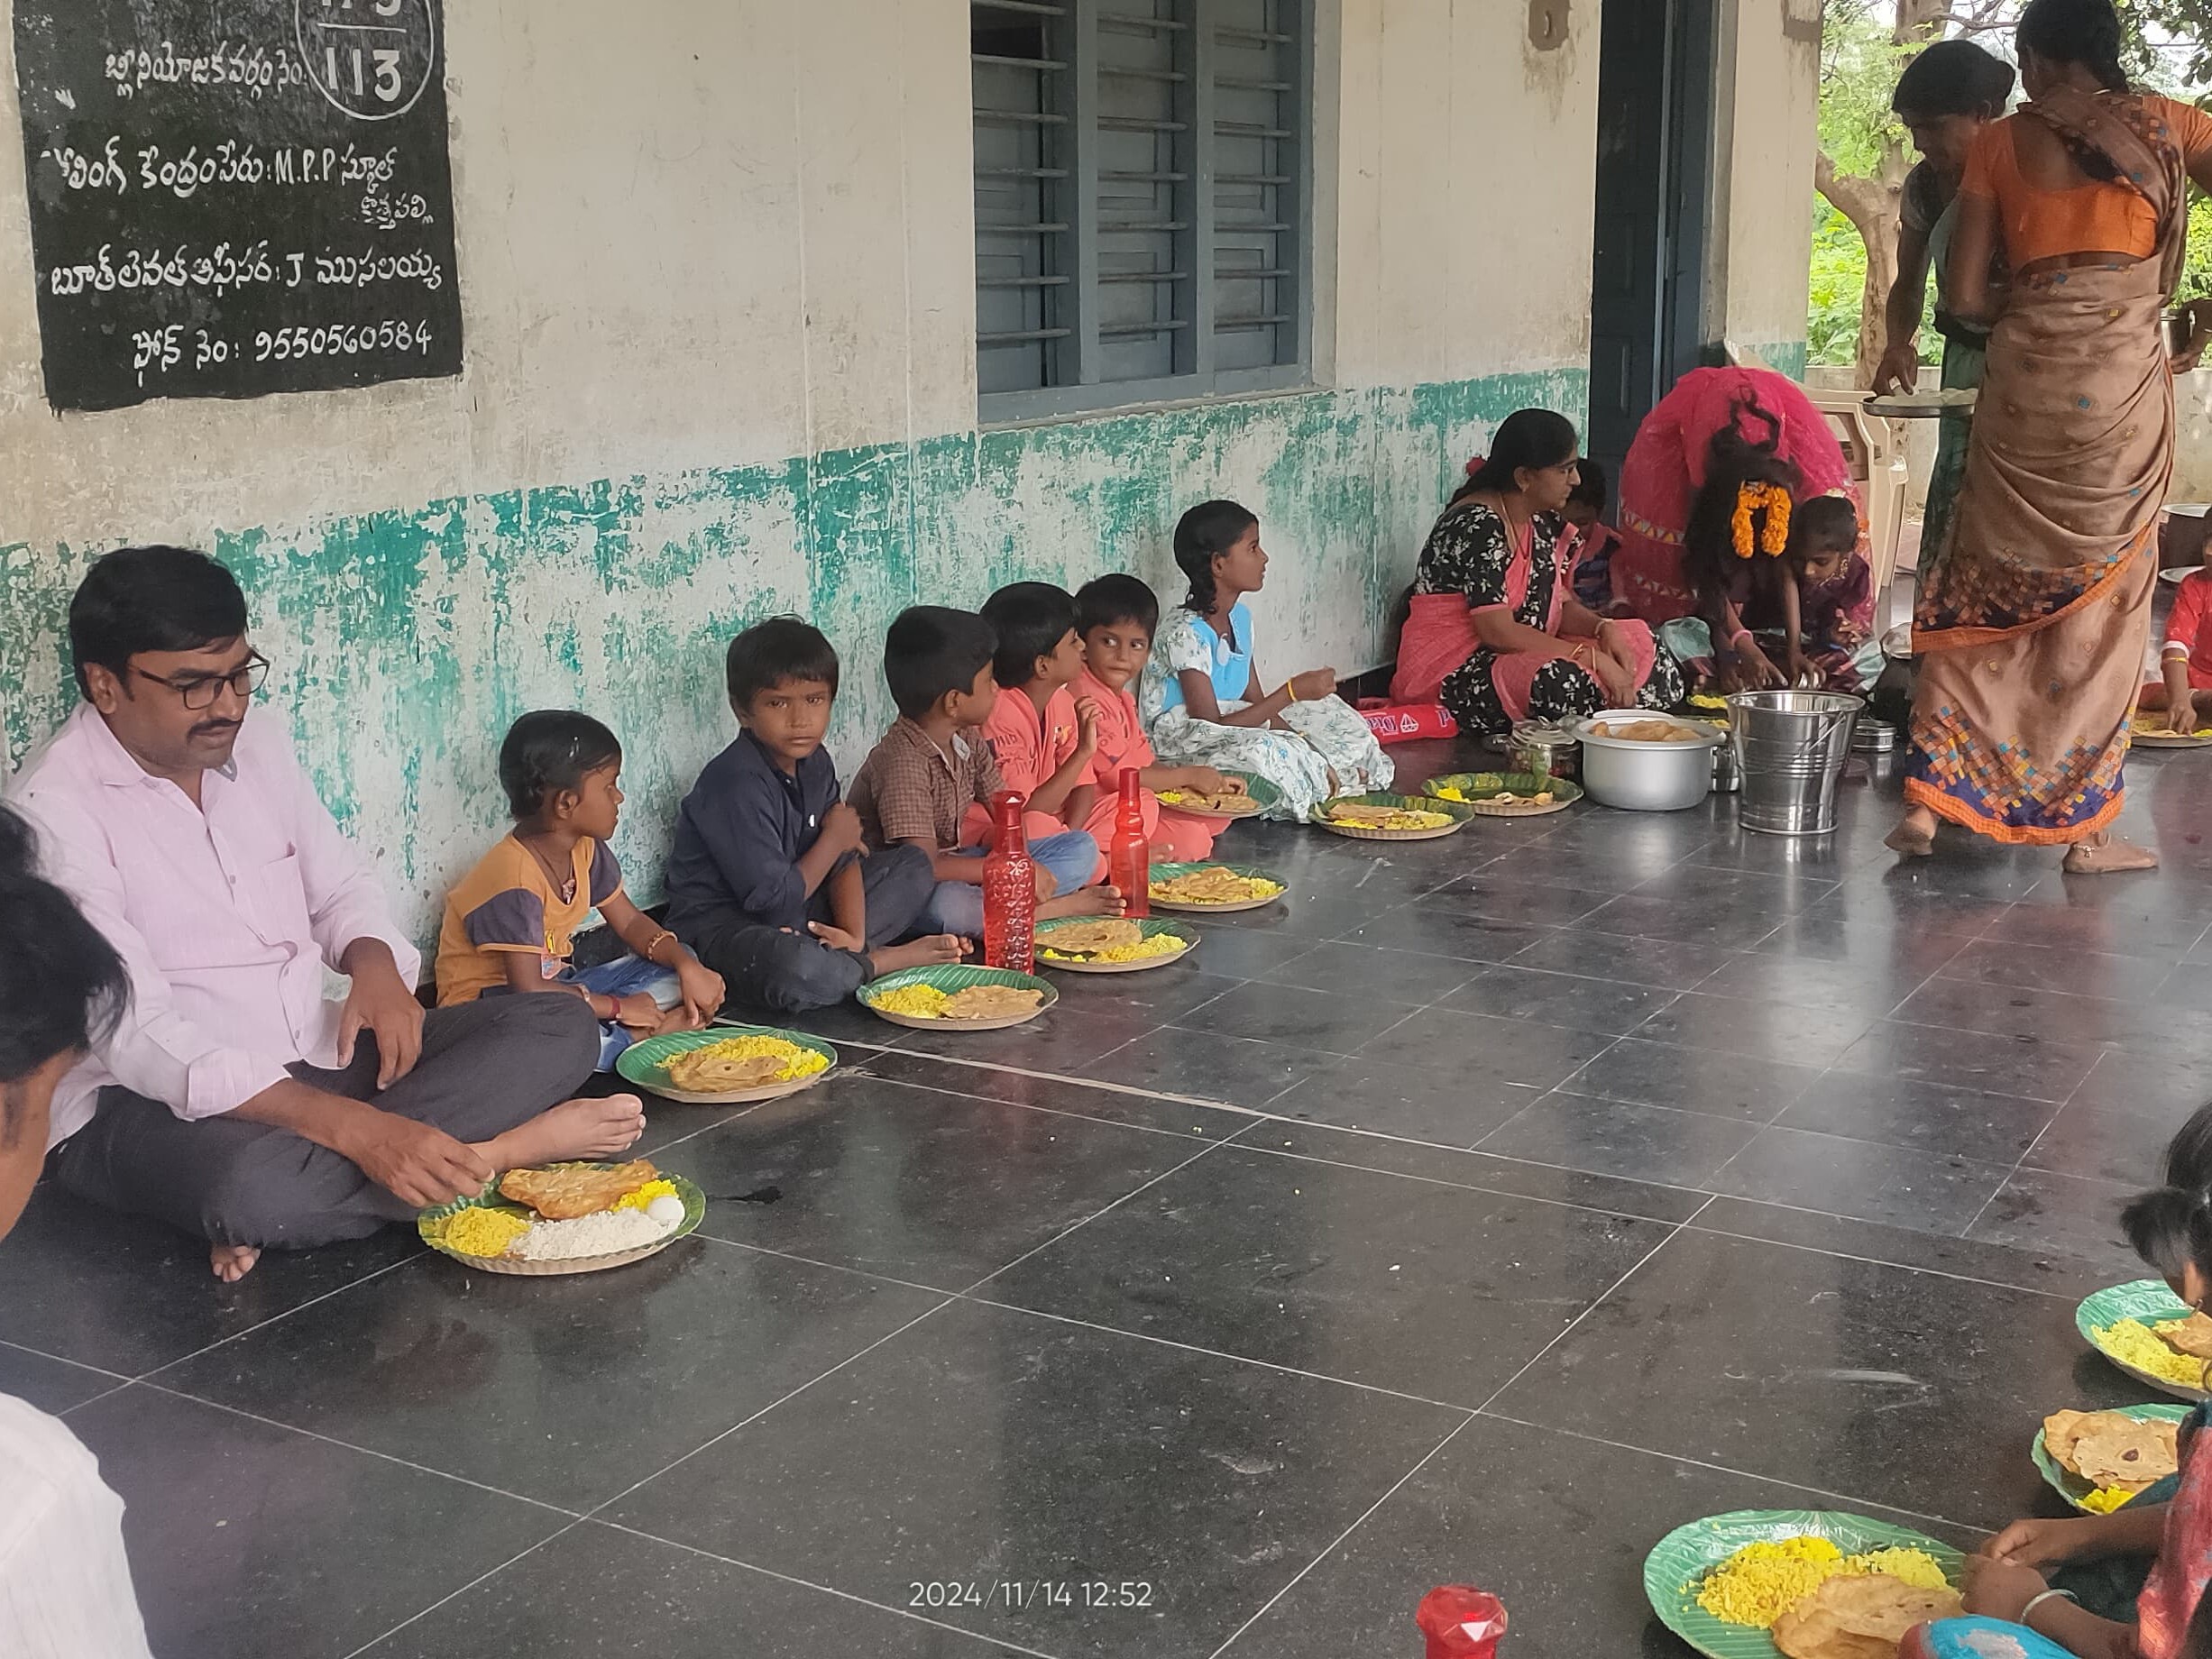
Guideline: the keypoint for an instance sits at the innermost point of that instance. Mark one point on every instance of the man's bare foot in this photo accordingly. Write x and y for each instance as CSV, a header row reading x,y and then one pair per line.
x,y
1914,836
1103,900
575,1129
2108,855
233,1262
938,948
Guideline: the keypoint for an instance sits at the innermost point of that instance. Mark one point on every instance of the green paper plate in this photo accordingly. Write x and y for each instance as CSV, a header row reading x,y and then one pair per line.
x,y
1480,786
645,1064
1154,927
1169,872
950,978
1264,795
694,1210
1461,817
2071,1487
1679,1562
2146,1299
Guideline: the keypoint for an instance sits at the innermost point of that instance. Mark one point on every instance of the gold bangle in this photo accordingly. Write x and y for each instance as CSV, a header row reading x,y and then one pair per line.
x,y
1290,690
654,944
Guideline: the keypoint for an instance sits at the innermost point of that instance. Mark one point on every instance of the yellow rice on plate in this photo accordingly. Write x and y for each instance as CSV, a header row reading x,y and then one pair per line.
x,y
646,1195
1763,1580
1214,885
1144,951
1396,821
480,1231
2133,1343
923,1002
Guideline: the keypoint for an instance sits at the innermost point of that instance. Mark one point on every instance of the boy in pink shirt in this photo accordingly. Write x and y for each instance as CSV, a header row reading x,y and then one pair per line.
x,y
1044,739
1116,616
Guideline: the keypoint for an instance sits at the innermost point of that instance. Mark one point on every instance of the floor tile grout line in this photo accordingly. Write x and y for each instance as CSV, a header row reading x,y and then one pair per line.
x,y
1078,1117
826,1589
2022,1162
1074,1227
712,1441
1181,1346
415,1254
1619,1211
1337,1542
332,1440
1596,1302
121,1379
1730,1469
873,1276
1879,1261
462,1590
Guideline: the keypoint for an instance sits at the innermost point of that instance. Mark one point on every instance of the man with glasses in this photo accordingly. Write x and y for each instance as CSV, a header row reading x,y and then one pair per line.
x,y
233,1099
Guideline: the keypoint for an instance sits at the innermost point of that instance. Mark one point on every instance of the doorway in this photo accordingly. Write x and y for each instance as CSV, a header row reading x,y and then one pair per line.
x,y
1654,191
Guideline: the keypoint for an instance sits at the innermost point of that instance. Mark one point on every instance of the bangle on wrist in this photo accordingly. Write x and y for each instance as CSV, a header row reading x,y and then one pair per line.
x,y
2049,1595
1289,690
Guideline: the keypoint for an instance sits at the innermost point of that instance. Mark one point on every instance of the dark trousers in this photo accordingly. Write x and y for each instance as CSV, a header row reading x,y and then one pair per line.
x,y
790,973
486,1067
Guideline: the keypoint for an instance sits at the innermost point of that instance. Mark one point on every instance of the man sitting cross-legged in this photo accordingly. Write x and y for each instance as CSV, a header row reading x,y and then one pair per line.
x,y
232,1099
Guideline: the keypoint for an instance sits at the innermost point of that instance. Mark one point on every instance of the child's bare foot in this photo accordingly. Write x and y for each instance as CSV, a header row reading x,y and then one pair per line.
x,y
938,948
575,1129
1103,899
233,1262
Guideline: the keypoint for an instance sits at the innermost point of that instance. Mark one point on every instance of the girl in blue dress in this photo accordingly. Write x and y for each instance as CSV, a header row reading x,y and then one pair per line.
x,y
1203,699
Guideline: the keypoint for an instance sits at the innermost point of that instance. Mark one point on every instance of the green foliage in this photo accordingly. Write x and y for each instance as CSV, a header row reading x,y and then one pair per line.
x,y
1859,72
1839,278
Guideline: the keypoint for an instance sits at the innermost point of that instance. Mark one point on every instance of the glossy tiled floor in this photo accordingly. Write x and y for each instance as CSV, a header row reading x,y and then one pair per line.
x,y
1479,1213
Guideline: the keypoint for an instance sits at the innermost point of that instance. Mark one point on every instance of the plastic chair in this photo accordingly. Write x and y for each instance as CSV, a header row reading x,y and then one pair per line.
x,y
1875,450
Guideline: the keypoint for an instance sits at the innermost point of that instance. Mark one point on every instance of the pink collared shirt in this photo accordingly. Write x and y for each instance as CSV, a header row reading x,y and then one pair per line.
x,y
227,914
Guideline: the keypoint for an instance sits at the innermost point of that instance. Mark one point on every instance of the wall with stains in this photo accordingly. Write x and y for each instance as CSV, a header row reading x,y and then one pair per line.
x,y
1770,80
717,265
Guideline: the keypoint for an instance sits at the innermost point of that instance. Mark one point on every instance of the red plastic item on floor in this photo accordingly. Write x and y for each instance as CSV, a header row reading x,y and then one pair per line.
x,y
1403,722
1010,892
1129,862
1461,1622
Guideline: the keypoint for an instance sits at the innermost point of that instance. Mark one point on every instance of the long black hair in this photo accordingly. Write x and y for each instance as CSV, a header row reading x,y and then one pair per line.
x,y
60,981
2170,1226
1206,532
1531,438
1954,77
1733,461
2083,31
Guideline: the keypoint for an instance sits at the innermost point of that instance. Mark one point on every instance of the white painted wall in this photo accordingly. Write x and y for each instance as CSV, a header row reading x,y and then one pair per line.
x,y
1769,75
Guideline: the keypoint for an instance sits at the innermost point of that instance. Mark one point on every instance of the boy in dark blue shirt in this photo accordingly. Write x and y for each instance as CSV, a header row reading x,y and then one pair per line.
x,y
769,880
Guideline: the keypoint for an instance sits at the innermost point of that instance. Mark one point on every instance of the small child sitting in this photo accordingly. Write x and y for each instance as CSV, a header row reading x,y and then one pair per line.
x,y
1804,619
930,781
2184,686
1116,616
766,880
1044,739
1202,696
510,923
2130,1581
1592,569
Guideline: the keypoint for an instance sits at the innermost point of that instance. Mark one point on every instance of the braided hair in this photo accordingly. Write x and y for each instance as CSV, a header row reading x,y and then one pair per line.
x,y
1733,461
1205,533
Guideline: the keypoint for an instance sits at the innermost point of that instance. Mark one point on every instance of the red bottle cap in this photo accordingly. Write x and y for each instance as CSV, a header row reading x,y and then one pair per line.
x,y
1461,1622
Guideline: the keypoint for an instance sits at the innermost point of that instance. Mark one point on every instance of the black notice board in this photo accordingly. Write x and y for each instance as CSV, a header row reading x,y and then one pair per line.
x,y
232,197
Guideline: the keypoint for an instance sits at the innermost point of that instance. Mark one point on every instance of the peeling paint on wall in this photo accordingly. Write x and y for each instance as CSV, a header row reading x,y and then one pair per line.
x,y
406,641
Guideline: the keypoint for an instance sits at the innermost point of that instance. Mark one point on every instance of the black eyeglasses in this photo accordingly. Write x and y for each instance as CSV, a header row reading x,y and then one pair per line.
x,y
199,691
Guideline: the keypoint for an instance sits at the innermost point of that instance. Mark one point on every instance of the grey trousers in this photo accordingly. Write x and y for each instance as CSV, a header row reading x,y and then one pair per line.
x,y
486,1067
791,972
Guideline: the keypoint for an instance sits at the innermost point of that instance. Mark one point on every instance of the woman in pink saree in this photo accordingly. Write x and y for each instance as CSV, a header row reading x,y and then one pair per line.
x,y
1493,627
1669,461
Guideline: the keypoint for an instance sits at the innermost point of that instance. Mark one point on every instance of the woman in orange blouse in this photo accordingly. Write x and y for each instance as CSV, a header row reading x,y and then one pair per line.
x,y
2030,633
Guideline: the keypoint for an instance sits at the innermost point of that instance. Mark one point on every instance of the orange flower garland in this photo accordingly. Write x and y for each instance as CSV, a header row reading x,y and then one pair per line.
x,y
1773,536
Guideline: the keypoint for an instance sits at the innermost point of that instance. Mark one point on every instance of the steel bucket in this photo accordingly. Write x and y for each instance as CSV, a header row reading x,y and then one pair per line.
x,y
1790,750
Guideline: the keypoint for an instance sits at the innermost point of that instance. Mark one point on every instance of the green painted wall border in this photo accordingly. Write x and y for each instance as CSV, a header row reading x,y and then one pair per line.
x,y
406,640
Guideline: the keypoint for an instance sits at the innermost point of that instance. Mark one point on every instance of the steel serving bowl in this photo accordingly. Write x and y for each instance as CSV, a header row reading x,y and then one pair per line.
x,y
1646,777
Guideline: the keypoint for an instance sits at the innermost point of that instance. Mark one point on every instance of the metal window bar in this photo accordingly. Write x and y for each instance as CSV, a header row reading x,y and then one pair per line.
x,y
1124,23
1035,8
1022,282
1019,118
992,61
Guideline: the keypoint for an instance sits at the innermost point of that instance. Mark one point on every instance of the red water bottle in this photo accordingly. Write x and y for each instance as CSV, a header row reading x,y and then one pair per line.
x,y
1461,1622
1010,892
1129,861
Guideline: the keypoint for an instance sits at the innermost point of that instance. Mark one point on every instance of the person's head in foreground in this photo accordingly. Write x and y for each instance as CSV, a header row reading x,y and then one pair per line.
x,y
1587,502
1945,98
1533,461
2170,1226
159,638
63,988
562,770
937,662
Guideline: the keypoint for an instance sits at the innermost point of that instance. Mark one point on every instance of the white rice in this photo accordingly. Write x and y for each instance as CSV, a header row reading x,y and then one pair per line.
x,y
603,1234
